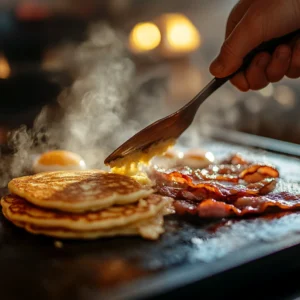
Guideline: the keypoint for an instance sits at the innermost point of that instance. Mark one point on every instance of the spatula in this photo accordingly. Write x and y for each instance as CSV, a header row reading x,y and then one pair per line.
x,y
172,126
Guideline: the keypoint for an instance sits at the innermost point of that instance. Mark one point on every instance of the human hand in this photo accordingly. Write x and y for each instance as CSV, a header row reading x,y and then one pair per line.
x,y
250,23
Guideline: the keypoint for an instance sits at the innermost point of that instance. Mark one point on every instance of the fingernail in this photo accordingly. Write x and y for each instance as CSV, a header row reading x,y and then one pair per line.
x,y
283,54
262,61
217,67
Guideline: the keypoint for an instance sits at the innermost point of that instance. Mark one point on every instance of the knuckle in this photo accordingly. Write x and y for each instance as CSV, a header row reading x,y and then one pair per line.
x,y
228,50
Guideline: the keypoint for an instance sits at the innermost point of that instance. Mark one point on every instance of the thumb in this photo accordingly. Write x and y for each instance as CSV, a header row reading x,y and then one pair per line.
x,y
247,34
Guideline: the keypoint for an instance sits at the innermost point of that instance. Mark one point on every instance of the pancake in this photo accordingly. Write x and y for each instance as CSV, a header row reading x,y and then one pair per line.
x,y
18,210
149,229
78,191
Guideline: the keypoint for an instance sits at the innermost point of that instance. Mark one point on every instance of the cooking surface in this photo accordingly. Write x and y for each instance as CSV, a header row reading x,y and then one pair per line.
x,y
39,268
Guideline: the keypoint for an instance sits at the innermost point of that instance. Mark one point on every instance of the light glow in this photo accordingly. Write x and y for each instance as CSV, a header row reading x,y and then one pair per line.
x,y
144,37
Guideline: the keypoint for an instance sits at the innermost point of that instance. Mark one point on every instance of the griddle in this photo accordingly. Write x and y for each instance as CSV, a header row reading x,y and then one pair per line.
x,y
216,258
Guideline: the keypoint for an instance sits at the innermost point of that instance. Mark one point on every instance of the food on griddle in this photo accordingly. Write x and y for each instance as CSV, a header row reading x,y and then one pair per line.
x,y
211,208
234,187
58,160
197,158
192,158
133,164
144,218
169,159
85,205
78,191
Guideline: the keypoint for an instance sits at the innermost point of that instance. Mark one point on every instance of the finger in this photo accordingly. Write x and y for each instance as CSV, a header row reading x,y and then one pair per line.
x,y
294,68
236,15
239,44
279,64
256,73
240,81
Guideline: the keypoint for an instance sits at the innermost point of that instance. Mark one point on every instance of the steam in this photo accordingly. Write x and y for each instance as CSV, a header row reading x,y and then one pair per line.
x,y
103,107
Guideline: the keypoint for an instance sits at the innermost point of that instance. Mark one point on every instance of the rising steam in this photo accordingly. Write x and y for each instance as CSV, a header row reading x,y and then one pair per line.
x,y
91,117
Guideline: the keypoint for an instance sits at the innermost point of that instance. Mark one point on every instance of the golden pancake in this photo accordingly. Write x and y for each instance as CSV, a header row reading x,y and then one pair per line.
x,y
78,191
150,229
19,210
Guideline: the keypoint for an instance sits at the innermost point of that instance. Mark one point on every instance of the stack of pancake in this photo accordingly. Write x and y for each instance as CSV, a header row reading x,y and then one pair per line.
x,y
85,205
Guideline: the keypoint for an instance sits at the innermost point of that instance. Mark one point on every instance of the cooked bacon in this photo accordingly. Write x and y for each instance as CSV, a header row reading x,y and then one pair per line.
x,y
222,173
235,159
211,208
234,188
257,172
217,182
183,207
216,190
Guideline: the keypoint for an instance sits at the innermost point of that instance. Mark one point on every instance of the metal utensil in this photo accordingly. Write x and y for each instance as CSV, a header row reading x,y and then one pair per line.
x,y
172,126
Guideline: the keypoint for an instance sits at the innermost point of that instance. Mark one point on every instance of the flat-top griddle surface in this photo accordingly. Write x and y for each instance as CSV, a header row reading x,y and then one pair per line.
x,y
36,267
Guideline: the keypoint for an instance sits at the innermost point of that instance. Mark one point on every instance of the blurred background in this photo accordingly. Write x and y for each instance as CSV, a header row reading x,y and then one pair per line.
x,y
93,72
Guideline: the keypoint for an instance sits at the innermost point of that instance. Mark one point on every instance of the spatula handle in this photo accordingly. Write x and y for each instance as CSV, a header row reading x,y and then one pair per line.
x,y
269,47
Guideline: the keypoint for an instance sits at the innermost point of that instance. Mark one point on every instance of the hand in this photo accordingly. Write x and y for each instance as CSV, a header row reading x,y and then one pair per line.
x,y
250,23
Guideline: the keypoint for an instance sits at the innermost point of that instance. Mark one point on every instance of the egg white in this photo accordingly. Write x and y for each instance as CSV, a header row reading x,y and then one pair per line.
x,y
197,159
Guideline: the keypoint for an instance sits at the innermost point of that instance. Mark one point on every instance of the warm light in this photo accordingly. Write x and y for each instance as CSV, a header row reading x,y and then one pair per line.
x,y
181,34
4,67
144,37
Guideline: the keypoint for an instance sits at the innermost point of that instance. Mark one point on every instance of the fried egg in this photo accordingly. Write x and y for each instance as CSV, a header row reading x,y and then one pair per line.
x,y
193,158
58,160
169,159
197,158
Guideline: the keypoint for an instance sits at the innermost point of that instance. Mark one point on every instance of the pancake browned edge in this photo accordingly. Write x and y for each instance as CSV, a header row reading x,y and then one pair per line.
x,y
78,191
144,218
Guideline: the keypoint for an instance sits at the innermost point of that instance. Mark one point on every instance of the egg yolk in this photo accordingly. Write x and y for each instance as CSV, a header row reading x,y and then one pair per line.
x,y
58,160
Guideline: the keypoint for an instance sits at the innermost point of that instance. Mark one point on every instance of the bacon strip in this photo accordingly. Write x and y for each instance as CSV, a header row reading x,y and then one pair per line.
x,y
218,191
210,208
257,172
228,173
235,159
234,188
217,182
